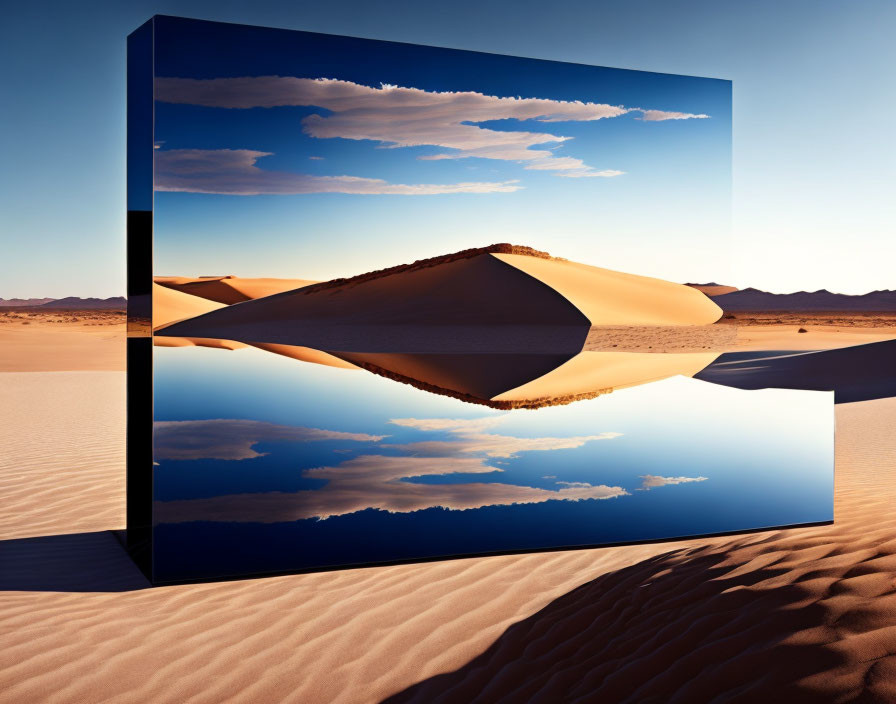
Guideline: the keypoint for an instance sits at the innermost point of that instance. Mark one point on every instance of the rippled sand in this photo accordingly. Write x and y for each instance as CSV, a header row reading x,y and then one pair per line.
x,y
799,615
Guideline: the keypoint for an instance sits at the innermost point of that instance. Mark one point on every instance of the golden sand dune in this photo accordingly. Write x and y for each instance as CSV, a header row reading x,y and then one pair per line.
x,y
170,306
608,297
796,615
229,289
475,301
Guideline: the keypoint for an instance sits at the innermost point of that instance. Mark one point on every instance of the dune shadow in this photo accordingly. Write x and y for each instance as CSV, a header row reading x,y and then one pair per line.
x,y
856,373
74,562
680,627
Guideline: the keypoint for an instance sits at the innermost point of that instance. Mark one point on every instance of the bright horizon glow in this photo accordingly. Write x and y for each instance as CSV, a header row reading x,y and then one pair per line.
x,y
812,188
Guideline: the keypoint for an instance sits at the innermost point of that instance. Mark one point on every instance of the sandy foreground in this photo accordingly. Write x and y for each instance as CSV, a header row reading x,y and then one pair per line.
x,y
798,615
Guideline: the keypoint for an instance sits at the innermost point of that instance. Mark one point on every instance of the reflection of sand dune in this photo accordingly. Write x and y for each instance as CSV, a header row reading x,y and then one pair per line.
x,y
229,289
492,325
857,373
589,373
374,481
530,381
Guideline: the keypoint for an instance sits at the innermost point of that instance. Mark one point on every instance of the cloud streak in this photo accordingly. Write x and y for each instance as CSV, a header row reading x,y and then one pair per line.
x,y
651,481
471,439
407,117
662,115
234,172
377,482
225,439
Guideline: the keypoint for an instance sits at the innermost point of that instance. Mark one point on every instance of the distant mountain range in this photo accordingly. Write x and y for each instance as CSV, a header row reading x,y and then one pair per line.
x,y
753,299
23,302
76,303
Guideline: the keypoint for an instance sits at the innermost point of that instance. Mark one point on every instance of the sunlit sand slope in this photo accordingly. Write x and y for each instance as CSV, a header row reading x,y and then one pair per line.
x,y
609,297
229,289
481,301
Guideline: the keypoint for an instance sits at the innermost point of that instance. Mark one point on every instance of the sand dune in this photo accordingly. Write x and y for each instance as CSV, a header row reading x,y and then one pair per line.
x,y
609,297
170,305
229,289
713,289
799,615
474,304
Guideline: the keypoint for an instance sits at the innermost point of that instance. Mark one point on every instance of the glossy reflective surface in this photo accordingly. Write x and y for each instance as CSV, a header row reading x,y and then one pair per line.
x,y
268,464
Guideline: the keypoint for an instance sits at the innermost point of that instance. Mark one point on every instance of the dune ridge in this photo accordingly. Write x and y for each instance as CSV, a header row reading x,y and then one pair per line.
x,y
228,290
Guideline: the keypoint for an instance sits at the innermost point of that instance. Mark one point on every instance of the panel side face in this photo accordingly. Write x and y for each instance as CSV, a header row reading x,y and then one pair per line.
x,y
290,158
139,281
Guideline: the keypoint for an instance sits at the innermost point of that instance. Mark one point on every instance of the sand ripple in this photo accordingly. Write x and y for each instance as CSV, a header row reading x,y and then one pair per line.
x,y
782,615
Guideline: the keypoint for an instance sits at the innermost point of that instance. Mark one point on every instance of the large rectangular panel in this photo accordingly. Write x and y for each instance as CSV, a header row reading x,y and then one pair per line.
x,y
347,370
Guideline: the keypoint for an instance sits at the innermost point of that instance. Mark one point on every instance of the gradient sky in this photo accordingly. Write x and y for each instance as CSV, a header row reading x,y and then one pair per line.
x,y
407,152
814,96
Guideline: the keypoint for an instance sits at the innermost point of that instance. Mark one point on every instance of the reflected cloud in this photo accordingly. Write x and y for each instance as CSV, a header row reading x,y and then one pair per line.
x,y
498,445
226,439
378,482
471,425
470,441
651,481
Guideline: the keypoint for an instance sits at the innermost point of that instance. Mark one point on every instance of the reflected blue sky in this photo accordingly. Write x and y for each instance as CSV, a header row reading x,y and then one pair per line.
x,y
384,460
670,145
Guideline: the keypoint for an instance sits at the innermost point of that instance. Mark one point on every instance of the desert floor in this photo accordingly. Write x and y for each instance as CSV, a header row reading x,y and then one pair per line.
x,y
798,615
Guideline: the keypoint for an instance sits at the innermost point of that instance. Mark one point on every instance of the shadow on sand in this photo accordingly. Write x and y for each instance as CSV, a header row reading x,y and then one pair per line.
x,y
680,627
76,562
857,373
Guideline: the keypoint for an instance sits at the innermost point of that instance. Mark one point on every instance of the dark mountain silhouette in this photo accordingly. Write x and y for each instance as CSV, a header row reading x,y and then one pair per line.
x,y
823,300
23,302
76,303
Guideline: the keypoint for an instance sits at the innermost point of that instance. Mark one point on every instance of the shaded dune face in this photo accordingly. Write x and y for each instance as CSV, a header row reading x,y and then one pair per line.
x,y
470,306
502,329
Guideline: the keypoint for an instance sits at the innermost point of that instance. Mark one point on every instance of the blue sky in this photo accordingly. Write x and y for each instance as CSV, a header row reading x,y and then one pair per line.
x,y
403,152
813,156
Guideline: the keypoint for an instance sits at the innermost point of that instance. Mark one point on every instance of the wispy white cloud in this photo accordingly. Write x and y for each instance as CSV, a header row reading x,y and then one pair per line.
x,y
404,117
661,115
378,482
467,425
234,172
651,481
497,445
226,439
